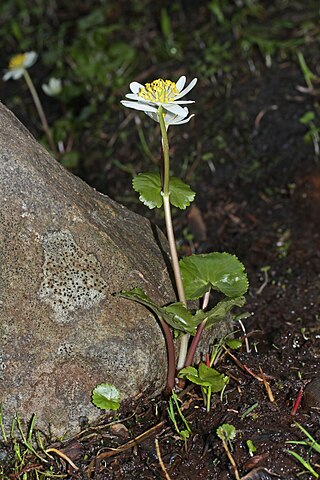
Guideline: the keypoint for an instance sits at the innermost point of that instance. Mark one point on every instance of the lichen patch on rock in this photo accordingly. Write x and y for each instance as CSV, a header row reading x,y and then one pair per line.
x,y
71,277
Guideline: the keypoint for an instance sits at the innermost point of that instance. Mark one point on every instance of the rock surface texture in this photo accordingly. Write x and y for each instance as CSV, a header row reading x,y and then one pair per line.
x,y
64,250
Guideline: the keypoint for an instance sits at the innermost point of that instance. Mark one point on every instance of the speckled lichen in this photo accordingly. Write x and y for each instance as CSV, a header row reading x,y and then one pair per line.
x,y
71,277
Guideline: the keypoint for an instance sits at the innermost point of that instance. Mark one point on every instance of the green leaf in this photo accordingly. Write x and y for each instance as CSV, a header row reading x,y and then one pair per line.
x,y
183,319
219,312
226,432
176,314
181,194
303,462
149,186
106,397
252,449
307,118
234,343
204,376
220,271
70,160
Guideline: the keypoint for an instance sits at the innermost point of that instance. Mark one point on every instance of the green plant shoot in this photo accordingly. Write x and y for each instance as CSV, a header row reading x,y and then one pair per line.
x,y
174,405
208,378
227,433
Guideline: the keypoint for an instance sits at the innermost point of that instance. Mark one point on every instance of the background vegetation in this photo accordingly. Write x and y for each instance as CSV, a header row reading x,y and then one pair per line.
x,y
98,47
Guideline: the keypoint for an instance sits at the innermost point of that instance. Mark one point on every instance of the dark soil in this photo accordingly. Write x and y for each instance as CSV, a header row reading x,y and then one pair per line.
x,y
257,197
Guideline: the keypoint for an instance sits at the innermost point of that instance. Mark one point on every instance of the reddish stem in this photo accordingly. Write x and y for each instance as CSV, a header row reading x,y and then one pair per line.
x,y
171,358
207,360
297,402
194,344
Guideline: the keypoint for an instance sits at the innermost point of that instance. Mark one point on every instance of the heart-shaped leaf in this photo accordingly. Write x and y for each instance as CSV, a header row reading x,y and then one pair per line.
x,y
148,185
106,397
220,271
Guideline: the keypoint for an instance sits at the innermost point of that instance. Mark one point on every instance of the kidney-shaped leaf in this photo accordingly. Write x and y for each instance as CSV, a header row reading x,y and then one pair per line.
x,y
220,271
106,397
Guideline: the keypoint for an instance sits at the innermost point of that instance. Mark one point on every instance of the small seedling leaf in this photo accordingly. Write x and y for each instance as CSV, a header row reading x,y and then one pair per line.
x,y
226,432
307,118
106,397
204,376
220,271
149,187
252,449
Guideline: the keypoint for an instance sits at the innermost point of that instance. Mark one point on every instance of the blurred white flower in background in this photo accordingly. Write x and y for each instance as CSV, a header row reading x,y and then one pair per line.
x,y
53,87
18,64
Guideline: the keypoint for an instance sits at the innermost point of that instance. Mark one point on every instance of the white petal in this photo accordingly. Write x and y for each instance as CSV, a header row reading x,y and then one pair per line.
x,y
187,89
169,117
139,106
135,97
173,108
181,82
135,87
153,115
183,102
180,122
31,58
132,96
17,73
7,76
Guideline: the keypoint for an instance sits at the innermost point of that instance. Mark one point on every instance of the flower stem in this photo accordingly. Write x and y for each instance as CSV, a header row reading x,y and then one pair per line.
x,y
40,111
170,232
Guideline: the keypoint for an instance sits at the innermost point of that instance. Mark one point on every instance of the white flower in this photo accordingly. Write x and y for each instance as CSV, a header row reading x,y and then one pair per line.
x,y
18,63
164,93
53,87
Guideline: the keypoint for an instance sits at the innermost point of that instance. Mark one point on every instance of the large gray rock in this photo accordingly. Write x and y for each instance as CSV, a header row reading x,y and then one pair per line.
x,y
64,249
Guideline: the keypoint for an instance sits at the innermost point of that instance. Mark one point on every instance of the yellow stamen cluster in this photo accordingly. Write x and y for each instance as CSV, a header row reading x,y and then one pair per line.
x,y
163,91
17,61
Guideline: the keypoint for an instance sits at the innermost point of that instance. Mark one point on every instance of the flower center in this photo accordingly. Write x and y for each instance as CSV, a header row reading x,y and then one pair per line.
x,y
163,91
17,61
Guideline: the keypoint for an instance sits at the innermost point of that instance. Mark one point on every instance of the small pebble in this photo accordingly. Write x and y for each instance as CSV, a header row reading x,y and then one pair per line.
x,y
311,396
3,455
